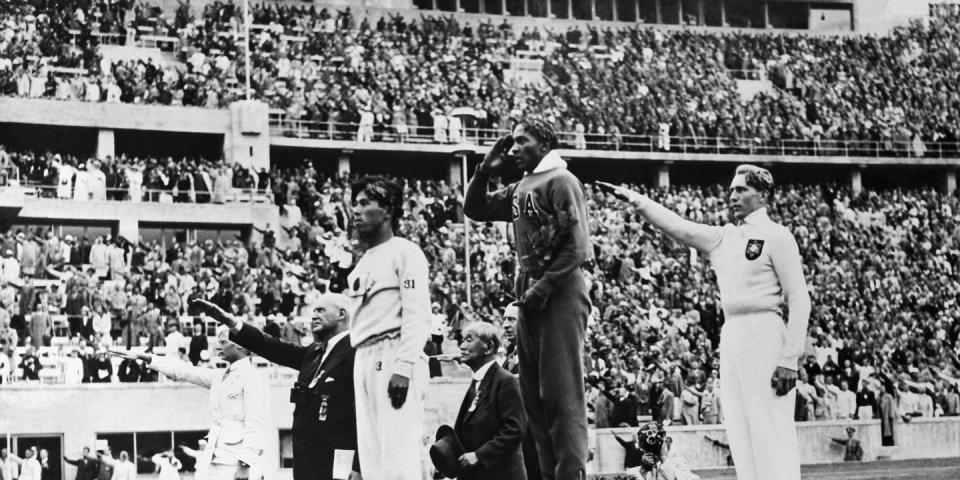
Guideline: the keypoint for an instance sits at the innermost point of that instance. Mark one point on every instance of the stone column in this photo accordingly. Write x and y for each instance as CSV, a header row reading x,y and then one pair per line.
x,y
106,144
343,162
948,181
856,179
663,175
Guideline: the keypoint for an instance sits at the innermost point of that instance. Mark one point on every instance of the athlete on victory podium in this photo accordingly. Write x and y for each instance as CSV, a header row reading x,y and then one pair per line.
x,y
548,208
758,267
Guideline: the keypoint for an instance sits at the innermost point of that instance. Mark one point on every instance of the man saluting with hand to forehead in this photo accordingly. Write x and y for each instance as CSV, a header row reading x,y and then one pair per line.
x,y
548,209
758,267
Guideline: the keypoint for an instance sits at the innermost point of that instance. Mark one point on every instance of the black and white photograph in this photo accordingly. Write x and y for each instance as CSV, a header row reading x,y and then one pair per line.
x,y
479,239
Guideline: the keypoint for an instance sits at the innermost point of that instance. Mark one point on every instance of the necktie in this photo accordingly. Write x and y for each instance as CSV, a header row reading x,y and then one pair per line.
x,y
318,372
472,396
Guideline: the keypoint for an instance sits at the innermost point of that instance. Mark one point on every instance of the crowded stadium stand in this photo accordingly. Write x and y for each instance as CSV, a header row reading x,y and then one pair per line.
x,y
139,171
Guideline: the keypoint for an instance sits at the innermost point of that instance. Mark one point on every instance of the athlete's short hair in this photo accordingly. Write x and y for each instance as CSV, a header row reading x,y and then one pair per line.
x,y
758,178
488,333
386,192
540,130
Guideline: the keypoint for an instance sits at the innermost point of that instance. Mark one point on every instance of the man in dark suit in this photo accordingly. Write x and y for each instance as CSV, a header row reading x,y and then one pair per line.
x,y
87,468
324,419
491,422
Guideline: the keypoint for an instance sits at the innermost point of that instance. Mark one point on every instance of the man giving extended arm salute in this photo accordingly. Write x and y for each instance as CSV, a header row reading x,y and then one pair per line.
x,y
758,268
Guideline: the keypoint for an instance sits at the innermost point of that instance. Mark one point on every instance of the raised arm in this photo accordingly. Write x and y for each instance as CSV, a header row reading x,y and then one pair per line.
x,y
623,442
789,268
289,355
175,369
481,205
283,353
702,237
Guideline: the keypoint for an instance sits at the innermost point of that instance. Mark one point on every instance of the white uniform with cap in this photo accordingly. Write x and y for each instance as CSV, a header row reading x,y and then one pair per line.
x,y
238,404
758,267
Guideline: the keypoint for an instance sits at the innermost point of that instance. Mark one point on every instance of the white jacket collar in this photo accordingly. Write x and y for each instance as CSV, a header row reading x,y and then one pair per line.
x,y
757,216
549,162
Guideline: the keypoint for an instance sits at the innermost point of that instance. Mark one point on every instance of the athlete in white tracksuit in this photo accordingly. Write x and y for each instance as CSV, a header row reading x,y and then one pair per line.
x,y
389,327
758,267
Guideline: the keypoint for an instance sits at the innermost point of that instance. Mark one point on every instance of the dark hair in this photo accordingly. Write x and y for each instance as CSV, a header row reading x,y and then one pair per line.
x,y
385,192
541,131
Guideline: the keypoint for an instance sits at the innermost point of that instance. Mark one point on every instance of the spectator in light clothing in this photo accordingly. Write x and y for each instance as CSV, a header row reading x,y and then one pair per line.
x,y
846,402
123,468
9,465
73,369
9,268
102,324
365,130
710,405
99,257
30,468
168,465
176,343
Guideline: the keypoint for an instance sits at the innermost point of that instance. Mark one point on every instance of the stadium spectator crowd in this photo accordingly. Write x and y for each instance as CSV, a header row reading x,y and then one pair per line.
x,y
882,266
187,180
637,86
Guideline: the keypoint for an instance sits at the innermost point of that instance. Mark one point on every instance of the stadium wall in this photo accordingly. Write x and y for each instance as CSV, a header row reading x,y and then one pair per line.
x,y
78,413
869,16
880,16
246,136
126,218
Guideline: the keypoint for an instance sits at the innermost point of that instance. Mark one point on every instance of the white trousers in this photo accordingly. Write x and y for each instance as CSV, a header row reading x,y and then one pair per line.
x,y
389,440
760,426
216,471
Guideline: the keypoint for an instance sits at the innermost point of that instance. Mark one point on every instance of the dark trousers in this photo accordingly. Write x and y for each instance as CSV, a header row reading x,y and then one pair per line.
x,y
318,465
551,379
531,460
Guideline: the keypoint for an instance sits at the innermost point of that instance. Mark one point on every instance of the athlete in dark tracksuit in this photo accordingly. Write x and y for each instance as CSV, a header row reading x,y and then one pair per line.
x,y
549,212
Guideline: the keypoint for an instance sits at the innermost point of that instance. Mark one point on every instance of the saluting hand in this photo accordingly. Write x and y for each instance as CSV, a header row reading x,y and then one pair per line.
x,y
783,380
494,158
397,390
213,310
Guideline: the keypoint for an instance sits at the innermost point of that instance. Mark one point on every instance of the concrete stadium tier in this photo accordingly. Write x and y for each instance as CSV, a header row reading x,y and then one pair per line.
x,y
162,407
126,218
868,16
243,127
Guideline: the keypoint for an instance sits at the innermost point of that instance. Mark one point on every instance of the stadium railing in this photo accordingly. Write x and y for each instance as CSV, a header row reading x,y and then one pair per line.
x,y
309,129
234,195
